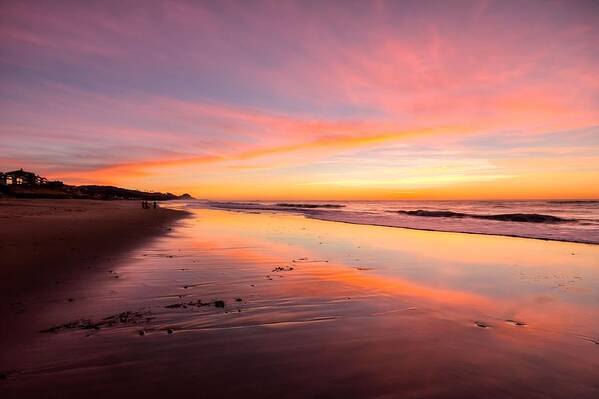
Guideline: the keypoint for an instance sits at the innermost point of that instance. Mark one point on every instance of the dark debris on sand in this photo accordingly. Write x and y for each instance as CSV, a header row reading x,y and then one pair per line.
x,y
282,269
86,324
129,317
187,286
198,303
481,324
176,305
219,303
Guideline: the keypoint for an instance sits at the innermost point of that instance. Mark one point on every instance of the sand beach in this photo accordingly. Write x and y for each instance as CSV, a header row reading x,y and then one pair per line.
x,y
246,304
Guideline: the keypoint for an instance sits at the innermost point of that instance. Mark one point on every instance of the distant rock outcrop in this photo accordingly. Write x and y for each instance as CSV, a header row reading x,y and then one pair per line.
x,y
506,217
111,192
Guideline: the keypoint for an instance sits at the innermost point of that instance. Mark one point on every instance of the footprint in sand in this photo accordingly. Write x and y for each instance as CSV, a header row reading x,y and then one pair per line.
x,y
481,324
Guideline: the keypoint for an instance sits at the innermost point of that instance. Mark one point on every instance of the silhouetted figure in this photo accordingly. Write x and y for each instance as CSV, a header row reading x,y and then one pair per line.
x,y
143,204
154,204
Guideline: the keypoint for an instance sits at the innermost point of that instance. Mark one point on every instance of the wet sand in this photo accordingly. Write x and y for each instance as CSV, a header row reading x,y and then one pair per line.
x,y
312,309
45,241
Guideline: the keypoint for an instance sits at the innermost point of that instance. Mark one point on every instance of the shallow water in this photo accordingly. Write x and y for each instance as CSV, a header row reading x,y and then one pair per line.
x,y
574,221
327,310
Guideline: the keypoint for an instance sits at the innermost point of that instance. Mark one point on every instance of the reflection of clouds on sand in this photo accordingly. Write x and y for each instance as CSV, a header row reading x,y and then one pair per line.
x,y
450,278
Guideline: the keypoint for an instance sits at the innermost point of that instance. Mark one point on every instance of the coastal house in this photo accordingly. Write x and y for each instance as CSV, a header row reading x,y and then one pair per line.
x,y
22,177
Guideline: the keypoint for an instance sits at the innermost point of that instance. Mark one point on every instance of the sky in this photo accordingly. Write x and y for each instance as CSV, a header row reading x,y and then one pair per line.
x,y
305,99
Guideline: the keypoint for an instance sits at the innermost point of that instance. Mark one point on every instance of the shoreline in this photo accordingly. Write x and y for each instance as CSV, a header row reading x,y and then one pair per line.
x,y
455,232
67,237
315,215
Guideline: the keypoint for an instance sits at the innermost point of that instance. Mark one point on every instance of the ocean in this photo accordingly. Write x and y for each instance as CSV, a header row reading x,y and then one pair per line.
x,y
561,220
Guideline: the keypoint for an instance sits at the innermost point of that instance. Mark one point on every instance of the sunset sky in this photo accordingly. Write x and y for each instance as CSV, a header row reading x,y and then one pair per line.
x,y
306,99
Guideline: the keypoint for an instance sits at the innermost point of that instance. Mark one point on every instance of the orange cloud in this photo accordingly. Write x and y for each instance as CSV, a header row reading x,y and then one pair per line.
x,y
335,143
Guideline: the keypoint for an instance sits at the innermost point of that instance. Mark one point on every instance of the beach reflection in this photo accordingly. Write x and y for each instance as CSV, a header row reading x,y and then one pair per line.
x,y
499,277
333,309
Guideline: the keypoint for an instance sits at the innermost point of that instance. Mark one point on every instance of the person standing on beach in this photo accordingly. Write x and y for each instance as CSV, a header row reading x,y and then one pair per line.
x,y
154,204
